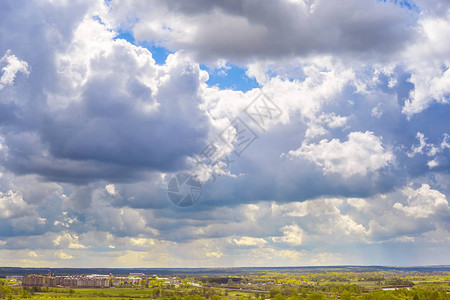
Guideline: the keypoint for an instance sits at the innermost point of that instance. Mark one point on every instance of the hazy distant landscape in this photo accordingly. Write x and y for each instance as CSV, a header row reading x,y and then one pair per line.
x,y
4,271
342,282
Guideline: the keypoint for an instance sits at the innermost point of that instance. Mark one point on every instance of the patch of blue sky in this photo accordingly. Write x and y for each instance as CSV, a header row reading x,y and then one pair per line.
x,y
125,35
98,19
159,54
408,4
232,78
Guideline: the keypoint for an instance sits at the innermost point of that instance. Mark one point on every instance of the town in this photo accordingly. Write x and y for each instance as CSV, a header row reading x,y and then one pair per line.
x,y
93,280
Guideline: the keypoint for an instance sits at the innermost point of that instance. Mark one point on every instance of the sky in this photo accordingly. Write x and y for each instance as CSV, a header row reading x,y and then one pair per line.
x,y
316,131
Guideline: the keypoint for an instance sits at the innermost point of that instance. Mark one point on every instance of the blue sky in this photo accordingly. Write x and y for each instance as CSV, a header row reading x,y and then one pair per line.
x,y
328,121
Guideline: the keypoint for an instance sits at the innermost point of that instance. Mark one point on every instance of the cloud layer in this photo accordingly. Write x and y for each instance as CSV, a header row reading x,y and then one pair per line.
x,y
349,154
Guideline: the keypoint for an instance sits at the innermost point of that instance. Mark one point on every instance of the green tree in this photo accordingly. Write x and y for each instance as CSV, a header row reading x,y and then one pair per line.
x,y
316,296
346,295
279,296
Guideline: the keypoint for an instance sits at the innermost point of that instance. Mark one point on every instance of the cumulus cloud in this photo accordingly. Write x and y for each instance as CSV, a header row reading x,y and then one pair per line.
x,y
426,148
358,203
429,64
249,241
363,152
12,205
69,240
292,235
32,254
423,202
63,255
111,189
11,66
122,99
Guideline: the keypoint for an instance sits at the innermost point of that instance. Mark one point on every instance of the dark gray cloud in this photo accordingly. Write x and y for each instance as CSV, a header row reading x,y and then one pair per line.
x,y
247,30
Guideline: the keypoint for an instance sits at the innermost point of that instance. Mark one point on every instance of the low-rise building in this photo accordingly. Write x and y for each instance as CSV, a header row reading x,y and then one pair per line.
x,y
67,281
36,280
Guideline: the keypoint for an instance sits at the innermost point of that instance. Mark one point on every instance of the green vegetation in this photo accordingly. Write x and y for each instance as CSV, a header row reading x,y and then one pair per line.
x,y
286,285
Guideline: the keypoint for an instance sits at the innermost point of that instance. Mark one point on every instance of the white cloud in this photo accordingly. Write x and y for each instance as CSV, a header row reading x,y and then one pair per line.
x,y
335,121
63,255
377,112
428,149
292,235
12,205
422,144
290,254
405,239
142,241
323,217
111,189
249,241
349,226
32,254
317,207
422,202
69,240
432,164
42,221
11,65
428,61
215,254
358,203
362,153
